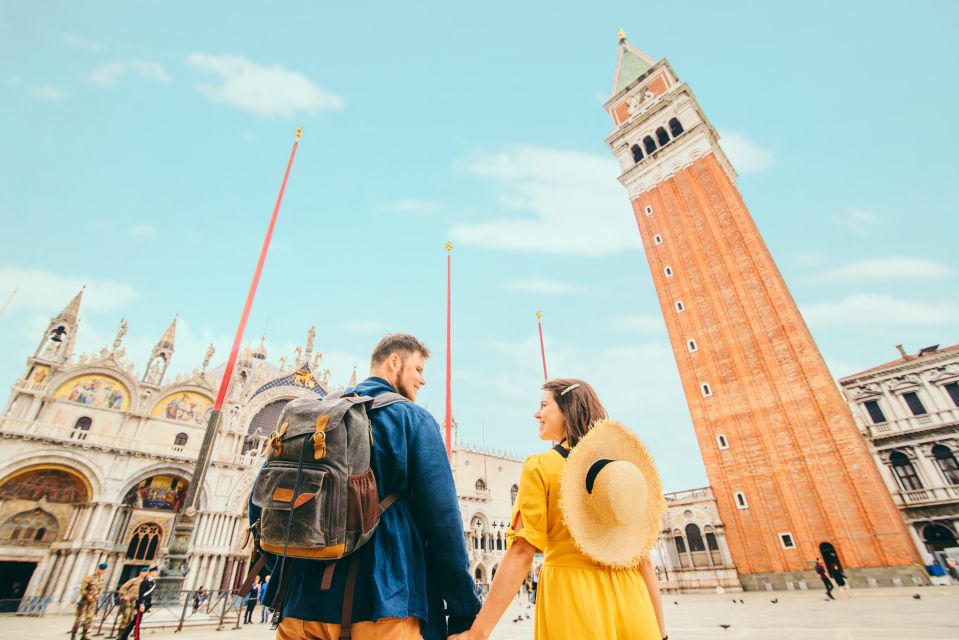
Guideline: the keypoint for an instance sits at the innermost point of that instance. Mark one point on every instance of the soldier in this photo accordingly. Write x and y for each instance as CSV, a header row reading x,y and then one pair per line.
x,y
143,602
128,596
90,590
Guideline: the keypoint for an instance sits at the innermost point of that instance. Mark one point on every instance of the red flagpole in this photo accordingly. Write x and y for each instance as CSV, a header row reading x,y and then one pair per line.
x,y
448,422
238,338
542,348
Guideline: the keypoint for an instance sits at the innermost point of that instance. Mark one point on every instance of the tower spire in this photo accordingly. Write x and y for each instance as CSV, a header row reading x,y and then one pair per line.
x,y
71,312
60,337
632,63
161,355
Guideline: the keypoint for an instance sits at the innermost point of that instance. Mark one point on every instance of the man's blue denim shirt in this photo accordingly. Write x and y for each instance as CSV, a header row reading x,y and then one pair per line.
x,y
417,559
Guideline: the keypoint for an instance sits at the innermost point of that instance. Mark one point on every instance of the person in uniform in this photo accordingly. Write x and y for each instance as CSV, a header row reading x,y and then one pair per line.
x,y
128,596
148,585
90,589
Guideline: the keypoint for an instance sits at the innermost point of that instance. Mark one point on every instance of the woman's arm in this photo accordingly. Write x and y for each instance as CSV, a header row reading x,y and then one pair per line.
x,y
652,586
512,571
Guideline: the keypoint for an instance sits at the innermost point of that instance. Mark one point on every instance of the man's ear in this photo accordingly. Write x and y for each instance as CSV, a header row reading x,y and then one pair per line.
x,y
395,361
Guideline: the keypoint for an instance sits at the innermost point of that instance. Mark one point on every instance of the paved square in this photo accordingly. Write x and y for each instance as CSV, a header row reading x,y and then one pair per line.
x,y
874,614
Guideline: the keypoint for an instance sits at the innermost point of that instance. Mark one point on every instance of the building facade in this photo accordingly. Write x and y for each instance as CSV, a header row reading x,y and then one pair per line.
x,y
791,475
692,554
908,412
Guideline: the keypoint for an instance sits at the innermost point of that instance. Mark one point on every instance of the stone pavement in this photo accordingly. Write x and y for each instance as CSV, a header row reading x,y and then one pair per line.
x,y
873,614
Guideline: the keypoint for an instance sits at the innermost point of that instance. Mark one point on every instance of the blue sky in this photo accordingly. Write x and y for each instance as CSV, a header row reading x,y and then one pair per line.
x,y
142,148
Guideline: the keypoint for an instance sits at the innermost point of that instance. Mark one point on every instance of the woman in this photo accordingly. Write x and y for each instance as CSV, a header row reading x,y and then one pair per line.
x,y
577,596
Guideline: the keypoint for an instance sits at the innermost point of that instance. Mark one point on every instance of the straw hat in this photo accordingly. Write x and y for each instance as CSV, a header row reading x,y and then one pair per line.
x,y
611,496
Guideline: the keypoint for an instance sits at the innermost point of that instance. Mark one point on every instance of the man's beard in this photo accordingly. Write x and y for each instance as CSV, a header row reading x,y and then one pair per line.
x,y
401,388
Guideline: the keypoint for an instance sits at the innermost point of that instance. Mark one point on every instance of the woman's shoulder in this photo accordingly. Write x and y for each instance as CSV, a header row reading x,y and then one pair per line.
x,y
550,461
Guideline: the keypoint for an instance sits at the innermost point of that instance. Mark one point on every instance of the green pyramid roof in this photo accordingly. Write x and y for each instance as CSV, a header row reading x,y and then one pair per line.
x,y
631,67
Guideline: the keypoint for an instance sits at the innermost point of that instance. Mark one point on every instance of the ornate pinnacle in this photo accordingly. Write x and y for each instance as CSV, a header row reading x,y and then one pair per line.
x,y
449,246
621,35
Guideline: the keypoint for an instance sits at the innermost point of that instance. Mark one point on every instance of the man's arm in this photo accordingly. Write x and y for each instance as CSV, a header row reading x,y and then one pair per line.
x,y
437,516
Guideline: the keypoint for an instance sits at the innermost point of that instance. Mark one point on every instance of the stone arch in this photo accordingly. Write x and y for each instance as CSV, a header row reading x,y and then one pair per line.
x,y
32,526
479,573
185,404
77,383
54,483
177,471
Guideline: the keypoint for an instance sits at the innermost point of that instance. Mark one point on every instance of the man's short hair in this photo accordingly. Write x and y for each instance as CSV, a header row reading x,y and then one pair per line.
x,y
402,343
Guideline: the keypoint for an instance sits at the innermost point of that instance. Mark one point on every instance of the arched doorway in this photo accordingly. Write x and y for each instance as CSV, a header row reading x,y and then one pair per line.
x,y
938,538
829,556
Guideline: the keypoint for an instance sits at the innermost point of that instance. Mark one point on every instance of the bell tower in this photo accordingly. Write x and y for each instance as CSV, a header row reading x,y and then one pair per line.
x,y
792,476
160,357
61,335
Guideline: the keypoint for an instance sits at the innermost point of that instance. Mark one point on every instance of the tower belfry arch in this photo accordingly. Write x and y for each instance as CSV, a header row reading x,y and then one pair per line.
x,y
785,459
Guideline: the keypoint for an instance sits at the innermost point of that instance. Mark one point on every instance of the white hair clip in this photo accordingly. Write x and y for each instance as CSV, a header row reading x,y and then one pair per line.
x,y
568,389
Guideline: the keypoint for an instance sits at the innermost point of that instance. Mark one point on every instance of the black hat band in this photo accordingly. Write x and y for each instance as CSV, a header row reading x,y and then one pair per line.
x,y
594,470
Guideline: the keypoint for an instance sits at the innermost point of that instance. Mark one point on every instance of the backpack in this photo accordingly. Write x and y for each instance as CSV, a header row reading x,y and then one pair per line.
x,y
317,491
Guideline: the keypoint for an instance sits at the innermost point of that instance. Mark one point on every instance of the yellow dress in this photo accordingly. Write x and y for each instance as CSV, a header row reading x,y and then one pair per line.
x,y
577,598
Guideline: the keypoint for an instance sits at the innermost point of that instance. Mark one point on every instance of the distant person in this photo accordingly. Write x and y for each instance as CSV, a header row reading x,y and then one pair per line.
x,y
90,589
824,576
144,602
264,610
593,505
412,578
836,573
252,597
199,596
535,583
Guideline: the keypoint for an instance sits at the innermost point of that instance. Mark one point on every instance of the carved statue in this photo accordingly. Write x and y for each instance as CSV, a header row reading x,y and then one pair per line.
x,y
155,372
297,353
119,339
209,356
640,102
310,335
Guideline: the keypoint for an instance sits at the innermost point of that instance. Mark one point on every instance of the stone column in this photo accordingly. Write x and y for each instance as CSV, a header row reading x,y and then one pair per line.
x,y
62,587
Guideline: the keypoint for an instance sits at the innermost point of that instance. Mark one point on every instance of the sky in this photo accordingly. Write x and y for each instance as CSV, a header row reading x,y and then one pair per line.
x,y
143,147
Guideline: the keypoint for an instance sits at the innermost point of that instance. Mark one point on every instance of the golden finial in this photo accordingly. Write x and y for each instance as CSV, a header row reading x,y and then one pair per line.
x,y
538,315
449,246
299,133
621,35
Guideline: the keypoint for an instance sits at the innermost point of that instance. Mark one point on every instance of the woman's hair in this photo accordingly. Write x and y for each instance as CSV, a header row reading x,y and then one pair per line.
x,y
580,406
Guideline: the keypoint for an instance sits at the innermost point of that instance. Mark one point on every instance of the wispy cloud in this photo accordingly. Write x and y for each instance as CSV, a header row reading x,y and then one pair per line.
x,y
48,93
269,91
544,286
643,323
878,310
886,270
859,221
746,155
85,44
421,208
553,201
48,292
143,231
107,75
365,326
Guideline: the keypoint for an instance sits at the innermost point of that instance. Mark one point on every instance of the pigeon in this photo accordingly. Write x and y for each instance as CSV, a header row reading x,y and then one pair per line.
x,y
725,626
916,596
741,602
674,602
775,601
734,600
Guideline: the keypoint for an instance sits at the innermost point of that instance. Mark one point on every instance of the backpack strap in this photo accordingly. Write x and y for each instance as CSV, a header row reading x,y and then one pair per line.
x,y
561,450
386,399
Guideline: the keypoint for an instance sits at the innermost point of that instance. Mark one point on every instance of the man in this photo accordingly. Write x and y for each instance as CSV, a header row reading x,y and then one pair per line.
x,y
128,593
90,589
143,603
415,570
264,610
821,570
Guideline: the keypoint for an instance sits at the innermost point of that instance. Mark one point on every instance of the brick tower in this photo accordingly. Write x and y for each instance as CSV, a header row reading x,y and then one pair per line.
x,y
791,473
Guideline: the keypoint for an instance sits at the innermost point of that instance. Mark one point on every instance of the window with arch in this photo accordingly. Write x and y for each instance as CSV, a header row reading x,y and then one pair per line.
x,y
786,540
81,428
675,126
680,543
692,346
650,144
711,542
668,271
946,460
637,152
875,411
905,472
649,210
662,137
513,492
722,441
180,440
680,307
706,390
695,538
952,389
740,498
480,485
657,239
144,542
